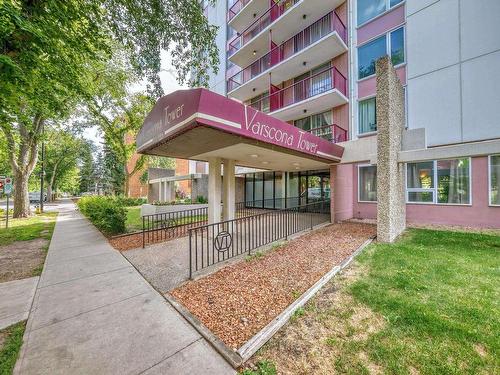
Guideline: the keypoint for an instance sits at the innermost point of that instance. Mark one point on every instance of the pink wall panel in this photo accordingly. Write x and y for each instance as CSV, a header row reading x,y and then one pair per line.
x,y
342,12
361,210
368,87
341,116
382,24
342,186
477,215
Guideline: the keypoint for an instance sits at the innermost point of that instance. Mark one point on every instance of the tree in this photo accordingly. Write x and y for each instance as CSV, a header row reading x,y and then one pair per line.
x,y
47,49
61,157
112,174
87,167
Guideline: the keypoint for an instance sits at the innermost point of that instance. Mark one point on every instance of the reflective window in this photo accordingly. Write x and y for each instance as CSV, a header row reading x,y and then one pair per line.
x,y
368,9
494,180
441,181
368,54
398,46
367,183
390,44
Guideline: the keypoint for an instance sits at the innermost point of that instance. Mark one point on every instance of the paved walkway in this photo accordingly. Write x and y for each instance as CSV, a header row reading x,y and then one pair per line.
x,y
93,313
15,300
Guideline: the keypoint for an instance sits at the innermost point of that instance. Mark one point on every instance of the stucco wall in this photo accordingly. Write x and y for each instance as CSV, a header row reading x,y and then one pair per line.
x,y
478,214
452,66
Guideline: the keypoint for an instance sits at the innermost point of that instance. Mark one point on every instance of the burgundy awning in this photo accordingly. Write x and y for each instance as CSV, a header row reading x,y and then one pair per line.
x,y
194,123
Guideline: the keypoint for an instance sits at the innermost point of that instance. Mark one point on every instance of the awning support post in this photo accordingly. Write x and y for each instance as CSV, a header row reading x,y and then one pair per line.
x,y
214,190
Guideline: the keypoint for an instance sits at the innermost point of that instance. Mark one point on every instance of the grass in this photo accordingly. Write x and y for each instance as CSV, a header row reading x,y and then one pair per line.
x,y
134,219
28,228
428,304
12,340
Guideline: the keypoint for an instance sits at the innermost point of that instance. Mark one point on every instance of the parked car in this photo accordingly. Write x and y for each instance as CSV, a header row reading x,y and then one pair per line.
x,y
34,197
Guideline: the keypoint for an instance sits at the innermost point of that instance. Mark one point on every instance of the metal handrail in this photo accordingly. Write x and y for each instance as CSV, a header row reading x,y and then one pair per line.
x,y
236,8
304,89
272,14
214,243
289,48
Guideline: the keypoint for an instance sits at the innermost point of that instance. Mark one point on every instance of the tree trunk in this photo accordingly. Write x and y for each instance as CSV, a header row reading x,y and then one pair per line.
x,y
21,198
49,193
126,186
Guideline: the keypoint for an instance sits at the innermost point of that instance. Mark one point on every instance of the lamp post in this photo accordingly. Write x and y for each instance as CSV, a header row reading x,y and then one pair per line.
x,y
42,172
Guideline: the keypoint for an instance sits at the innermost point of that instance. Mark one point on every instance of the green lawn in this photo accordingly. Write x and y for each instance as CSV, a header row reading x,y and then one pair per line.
x,y
428,304
28,229
134,219
11,339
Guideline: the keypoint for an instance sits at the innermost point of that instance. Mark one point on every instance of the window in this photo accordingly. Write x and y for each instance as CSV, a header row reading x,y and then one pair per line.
x,y
390,44
441,181
398,47
367,116
494,184
367,183
318,124
368,9
261,102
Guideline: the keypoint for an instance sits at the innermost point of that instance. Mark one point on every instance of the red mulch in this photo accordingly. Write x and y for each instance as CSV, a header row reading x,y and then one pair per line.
x,y
134,241
238,301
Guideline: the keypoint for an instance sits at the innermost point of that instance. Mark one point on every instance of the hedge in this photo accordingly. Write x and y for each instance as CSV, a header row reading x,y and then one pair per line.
x,y
106,213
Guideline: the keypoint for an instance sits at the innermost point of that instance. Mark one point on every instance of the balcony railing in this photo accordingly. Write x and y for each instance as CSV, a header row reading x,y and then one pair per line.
x,y
324,26
271,15
236,8
332,133
309,87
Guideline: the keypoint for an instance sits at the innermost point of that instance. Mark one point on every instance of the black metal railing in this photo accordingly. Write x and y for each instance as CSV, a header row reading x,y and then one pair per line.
x,y
213,243
165,226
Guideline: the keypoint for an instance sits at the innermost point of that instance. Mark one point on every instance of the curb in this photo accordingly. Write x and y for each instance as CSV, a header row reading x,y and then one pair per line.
x,y
243,354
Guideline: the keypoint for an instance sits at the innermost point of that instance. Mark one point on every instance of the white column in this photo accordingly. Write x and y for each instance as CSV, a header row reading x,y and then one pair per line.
x,y
229,199
214,190
167,193
160,192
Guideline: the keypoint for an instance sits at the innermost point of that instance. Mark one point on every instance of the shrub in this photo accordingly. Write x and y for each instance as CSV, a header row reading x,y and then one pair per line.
x,y
201,199
128,202
106,213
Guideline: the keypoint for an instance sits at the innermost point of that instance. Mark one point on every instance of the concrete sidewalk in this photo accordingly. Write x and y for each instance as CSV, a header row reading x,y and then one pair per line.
x,y
15,300
93,313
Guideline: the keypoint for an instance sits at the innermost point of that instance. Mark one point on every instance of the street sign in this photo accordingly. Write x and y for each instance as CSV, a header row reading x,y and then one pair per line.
x,y
2,182
8,185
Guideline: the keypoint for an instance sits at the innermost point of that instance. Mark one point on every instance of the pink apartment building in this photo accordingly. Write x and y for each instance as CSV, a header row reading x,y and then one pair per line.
x,y
310,64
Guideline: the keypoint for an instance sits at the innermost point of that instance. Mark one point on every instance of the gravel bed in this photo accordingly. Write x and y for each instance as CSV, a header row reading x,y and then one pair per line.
x,y
238,301
134,240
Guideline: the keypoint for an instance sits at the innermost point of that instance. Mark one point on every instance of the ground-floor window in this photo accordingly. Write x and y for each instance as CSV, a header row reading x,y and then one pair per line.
x,y
439,181
286,189
494,180
367,183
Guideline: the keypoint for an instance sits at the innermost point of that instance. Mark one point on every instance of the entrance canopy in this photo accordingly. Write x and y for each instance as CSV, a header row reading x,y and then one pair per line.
x,y
198,124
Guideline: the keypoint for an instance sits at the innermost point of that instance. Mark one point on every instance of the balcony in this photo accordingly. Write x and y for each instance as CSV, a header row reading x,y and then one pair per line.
x,y
320,92
322,41
285,18
242,12
332,133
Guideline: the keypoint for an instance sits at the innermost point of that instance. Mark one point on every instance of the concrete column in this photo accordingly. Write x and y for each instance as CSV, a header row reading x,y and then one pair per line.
x,y
161,195
391,207
214,190
229,198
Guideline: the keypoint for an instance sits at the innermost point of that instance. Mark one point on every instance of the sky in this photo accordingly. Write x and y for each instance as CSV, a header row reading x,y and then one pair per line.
x,y
168,82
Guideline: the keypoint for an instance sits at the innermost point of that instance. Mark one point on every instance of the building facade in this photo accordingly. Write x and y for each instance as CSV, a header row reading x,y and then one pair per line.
x,y
311,63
